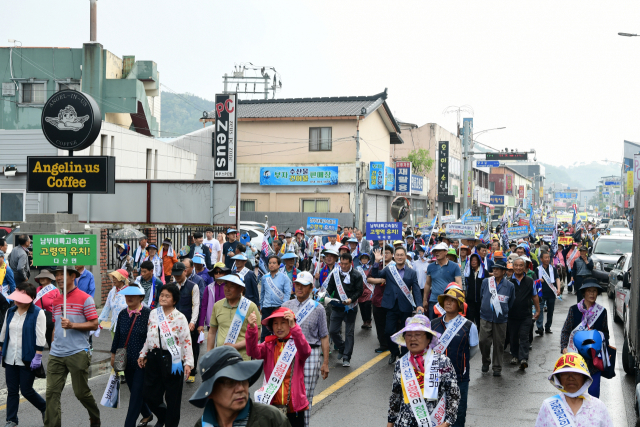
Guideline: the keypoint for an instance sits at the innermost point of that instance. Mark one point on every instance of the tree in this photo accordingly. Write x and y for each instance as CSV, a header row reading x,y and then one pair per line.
x,y
421,161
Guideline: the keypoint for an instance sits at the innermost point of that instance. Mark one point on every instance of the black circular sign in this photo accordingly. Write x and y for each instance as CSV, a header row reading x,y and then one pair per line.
x,y
71,120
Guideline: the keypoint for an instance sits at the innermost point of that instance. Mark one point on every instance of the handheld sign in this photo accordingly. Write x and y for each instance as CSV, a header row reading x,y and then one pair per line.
x,y
460,231
322,226
384,230
517,232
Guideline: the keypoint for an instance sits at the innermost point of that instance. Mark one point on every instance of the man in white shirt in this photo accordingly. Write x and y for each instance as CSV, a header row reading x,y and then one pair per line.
x,y
214,246
333,244
420,266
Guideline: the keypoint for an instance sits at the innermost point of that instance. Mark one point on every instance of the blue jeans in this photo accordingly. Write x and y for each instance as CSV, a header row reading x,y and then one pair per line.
x,y
20,380
462,406
135,382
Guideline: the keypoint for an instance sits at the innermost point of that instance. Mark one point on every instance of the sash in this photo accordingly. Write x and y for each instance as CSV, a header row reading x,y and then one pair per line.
x,y
42,292
364,279
341,292
164,329
414,395
449,333
265,393
431,377
572,258
326,281
238,320
584,326
275,290
559,412
243,273
548,278
495,298
403,287
439,308
306,310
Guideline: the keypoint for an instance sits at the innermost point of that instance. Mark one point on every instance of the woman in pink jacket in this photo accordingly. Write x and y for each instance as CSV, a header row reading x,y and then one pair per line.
x,y
284,355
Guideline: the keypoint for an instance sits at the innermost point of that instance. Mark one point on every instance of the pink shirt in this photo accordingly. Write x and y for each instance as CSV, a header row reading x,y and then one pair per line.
x,y
592,413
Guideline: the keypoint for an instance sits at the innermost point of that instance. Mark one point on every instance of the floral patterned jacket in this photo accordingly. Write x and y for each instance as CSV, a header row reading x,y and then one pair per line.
x,y
400,413
179,328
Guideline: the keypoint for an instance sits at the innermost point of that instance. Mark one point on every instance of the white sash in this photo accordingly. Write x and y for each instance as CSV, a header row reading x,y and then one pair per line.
x,y
364,280
42,292
5,290
548,278
414,395
340,288
403,287
306,310
559,411
495,298
574,255
243,273
431,376
584,326
275,290
449,333
265,393
439,308
238,320
164,329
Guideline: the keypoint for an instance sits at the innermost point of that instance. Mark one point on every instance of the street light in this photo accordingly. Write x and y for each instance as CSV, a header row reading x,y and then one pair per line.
x,y
476,134
627,35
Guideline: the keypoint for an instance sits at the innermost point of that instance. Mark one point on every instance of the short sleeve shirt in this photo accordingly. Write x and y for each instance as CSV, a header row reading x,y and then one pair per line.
x,y
441,277
80,309
221,318
214,247
314,327
226,248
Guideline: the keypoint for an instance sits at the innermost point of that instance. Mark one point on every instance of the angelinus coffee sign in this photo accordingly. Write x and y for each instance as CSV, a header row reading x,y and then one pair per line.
x,y
82,174
71,120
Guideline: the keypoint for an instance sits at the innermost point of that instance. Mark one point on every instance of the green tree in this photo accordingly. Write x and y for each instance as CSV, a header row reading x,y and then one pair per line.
x,y
421,161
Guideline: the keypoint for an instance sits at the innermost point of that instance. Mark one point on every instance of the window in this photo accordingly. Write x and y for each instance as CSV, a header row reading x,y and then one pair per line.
x,y
33,93
315,205
68,84
11,206
492,186
247,205
319,139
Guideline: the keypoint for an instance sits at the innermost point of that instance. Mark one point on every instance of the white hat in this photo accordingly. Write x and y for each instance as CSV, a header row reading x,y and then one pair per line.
x,y
440,247
304,278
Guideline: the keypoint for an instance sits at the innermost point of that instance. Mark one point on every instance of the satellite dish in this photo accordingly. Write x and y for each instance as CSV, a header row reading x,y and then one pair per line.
x,y
400,208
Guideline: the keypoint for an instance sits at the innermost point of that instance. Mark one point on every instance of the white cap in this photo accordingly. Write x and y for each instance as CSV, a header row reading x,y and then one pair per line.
x,y
440,247
304,278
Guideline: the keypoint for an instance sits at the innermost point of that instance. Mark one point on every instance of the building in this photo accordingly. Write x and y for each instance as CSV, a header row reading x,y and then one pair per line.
x,y
536,173
509,189
585,197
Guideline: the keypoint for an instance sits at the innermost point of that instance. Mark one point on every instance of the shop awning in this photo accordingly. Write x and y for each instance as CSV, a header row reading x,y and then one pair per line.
x,y
490,206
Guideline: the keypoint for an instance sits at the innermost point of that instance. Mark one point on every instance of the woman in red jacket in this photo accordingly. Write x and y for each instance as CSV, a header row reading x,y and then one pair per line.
x,y
46,293
284,355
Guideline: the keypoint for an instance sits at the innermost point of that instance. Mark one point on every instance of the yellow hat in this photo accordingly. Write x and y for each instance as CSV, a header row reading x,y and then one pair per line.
x,y
571,362
218,265
455,293
398,242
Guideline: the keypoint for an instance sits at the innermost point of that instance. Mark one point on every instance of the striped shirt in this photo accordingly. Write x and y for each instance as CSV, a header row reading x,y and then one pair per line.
x,y
80,309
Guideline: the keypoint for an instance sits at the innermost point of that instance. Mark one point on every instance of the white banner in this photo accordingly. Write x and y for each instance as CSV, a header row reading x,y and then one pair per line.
x,y
460,231
447,218
636,170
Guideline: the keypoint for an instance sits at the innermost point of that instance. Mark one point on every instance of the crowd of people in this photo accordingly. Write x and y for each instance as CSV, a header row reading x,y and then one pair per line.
x,y
279,313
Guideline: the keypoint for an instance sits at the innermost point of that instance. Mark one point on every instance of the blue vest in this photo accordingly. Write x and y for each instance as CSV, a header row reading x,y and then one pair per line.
x,y
185,305
28,333
458,349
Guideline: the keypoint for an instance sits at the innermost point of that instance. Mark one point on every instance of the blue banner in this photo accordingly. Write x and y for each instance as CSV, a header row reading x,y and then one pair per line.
x,y
612,183
314,175
322,226
384,231
473,220
487,164
417,183
403,178
566,195
376,175
389,178
545,229
496,200
516,232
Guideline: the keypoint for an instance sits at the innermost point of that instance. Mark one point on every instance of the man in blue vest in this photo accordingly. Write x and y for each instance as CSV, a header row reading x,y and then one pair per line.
x,y
459,345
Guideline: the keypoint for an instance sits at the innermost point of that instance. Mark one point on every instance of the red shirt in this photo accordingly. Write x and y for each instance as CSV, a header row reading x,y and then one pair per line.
x,y
46,302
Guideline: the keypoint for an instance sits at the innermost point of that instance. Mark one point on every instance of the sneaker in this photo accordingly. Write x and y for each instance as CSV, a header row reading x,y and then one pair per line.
x,y
381,350
514,360
524,364
497,373
10,424
191,379
485,368
346,363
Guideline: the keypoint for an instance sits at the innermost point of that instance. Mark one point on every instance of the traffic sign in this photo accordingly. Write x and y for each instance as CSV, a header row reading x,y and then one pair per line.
x,y
487,164
506,156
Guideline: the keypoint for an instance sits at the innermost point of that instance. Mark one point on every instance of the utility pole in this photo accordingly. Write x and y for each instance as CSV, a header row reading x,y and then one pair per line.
x,y
357,198
466,141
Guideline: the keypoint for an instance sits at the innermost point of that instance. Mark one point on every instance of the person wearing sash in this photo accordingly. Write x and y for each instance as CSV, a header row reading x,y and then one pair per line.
x,y
323,274
153,257
587,315
425,391
475,274
275,289
548,275
190,271
573,406
571,253
224,392
166,353
7,281
289,269
355,252
439,275
139,255
520,321
46,293
227,324
310,317
379,312
21,345
131,333
498,295
458,341
582,268
249,278
115,301
402,295
149,283
364,302
420,265
284,354
345,287
213,293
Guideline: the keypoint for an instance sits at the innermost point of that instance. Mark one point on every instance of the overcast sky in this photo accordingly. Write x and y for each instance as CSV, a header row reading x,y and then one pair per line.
x,y
555,73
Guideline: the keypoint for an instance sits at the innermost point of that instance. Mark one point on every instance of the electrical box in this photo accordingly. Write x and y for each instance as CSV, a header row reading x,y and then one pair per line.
x,y
8,89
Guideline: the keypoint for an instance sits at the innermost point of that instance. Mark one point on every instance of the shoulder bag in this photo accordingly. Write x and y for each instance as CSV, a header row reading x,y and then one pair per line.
x,y
120,362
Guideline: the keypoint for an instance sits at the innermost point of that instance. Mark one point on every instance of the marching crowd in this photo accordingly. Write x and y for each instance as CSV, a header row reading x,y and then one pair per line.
x,y
277,312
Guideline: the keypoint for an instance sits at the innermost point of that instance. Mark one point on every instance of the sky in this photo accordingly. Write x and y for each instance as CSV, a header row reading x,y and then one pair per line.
x,y
555,74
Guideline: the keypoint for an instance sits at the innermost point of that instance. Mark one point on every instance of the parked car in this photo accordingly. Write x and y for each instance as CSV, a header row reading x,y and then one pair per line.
x,y
256,234
607,250
615,275
253,224
620,231
4,231
618,223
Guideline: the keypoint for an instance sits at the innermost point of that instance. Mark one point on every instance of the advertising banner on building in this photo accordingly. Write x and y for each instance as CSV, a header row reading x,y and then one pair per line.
x,y
509,184
403,178
443,168
78,174
322,226
460,231
389,178
630,187
69,249
521,191
376,175
517,232
566,195
225,142
636,170
312,175
384,230
417,183
496,200
541,192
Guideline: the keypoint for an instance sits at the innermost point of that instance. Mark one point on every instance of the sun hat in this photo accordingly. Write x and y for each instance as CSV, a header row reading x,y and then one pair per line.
x,y
288,255
223,269
233,278
419,322
440,247
287,235
509,266
455,293
223,362
364,254
330,252
278,313
240,257
571,362
231,230
352,240
132,290
45,274
398,242
346,248
410,236
499,263
167,241
272,229
591,282
69,270
120,275
304,278
20,296
198,259
452,251
152,246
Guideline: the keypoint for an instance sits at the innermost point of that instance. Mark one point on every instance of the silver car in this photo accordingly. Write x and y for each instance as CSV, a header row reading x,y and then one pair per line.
x,y
606,252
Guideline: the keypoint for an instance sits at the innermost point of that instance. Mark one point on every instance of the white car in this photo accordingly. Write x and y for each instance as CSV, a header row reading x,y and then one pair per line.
x,y
256,235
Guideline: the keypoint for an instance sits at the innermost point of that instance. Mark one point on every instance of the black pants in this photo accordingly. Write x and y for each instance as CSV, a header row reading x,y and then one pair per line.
x,y
365,311
395,322
551,303
519,330
196,350
473,312
335,331
266,312
161,386
50,326
296,419
137,406
380,319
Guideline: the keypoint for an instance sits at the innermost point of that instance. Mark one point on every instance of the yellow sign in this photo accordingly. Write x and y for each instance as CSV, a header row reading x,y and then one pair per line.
x,y
541,192
630,188
565,241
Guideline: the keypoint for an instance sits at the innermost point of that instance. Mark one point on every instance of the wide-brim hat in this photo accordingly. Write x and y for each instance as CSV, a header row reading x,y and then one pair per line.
x,y
132,290
233,278
278,313
45,274
346,248
419,322
120,275
591,282
223,269
398,242
20,297
223,362
69,270
452,252
330,252
499,263
240,257
455,293
570,362
288,255
198,259
352,240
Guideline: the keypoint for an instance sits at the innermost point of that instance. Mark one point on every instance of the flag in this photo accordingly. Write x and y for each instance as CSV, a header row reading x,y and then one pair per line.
x,y
532,227
554,239
265,240
505,233
464,217
575,213
434,221
486,236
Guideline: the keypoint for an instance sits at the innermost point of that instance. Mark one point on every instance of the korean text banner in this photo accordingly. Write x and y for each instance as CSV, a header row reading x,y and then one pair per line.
x,y
403,178
384,231
314,175
544,229
322,226
517,232
417,183
460,231
473,220
224,142
447,218
69,249
389,178
376,175
443,168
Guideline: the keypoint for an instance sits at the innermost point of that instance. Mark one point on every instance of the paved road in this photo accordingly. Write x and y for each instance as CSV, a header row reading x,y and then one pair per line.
x,y
359,395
